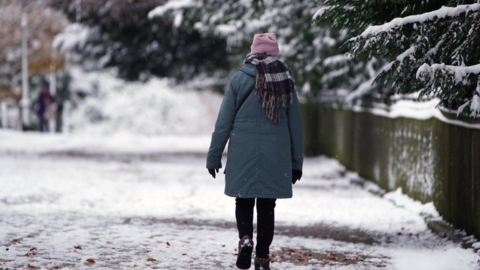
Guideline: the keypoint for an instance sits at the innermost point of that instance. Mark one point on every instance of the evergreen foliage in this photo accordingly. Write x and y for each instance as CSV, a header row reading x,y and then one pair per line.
x,y
121,36
433,46
313,53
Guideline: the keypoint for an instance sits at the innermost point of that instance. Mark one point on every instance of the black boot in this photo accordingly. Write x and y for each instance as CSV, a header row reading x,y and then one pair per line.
x,y
245,248
262,263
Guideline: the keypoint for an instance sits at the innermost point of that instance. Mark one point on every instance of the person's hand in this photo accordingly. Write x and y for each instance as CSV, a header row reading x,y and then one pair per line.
x,y
296,175
212,172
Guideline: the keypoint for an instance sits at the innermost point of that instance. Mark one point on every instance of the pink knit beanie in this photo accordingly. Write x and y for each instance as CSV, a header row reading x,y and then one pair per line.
x,y
265,43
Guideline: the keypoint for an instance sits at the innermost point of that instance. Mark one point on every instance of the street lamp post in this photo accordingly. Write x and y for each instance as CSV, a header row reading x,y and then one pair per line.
x,y
52,123
3,113
25,101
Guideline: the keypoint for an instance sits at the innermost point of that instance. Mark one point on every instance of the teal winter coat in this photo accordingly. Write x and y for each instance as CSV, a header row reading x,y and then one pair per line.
x,y
261,154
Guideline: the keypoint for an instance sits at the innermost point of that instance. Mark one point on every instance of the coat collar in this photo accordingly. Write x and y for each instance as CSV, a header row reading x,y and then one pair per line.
x,y
249,69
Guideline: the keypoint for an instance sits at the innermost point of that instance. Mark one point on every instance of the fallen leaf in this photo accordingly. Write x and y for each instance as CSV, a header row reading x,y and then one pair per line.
x,y
33,249
183,254
90,260
31,266
301,259
344,259
168,244
151,260
235,254
223,245
77,247
332,257
291,251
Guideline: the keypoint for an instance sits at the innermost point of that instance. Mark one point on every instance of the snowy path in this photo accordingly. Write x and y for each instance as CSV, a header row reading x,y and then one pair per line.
x,y
121,205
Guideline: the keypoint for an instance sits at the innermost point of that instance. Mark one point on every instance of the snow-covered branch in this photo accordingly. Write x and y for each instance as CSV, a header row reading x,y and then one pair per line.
x,y
173,5
437,14
472,105
73,35
459,72
336,59
321,11
366,86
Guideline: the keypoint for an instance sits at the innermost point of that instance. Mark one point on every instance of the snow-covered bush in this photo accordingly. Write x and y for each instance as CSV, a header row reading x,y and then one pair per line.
x,y
114,106
432,46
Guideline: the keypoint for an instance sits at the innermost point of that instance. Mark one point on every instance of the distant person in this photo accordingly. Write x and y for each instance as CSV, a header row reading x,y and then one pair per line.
x,y
45,108
260,115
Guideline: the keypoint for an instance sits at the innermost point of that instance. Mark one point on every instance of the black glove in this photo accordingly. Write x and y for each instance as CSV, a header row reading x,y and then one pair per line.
x,y
296,175
212,172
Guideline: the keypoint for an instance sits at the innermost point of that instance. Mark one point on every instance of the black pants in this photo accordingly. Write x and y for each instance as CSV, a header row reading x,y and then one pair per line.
x,y
265,222
43,125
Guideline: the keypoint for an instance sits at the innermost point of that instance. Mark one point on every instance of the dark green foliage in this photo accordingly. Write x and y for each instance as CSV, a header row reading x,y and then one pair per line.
x,y
356,15
428,48
305,47
123,37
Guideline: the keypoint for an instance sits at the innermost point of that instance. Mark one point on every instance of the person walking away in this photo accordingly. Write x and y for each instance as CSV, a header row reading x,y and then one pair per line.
x,y
260,117
45,108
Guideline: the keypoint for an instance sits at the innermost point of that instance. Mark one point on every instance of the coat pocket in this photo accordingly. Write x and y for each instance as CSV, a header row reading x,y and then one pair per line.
x,y
243,126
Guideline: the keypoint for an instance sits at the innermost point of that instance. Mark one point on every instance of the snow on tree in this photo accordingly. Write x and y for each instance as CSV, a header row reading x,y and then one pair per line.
x,y
432,46
121,37
313,53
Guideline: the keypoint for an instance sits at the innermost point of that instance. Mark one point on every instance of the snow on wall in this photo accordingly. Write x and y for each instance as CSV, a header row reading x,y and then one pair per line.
x,y
413,158
147,109
414,110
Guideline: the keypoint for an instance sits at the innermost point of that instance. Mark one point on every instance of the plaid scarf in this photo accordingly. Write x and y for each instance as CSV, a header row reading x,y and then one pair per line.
x,y
274,84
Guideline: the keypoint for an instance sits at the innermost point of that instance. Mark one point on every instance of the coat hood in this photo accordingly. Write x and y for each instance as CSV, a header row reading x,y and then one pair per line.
x,y
249,69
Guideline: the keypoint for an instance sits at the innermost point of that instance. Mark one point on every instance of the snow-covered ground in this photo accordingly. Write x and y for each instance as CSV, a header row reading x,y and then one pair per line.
x,y
148,203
